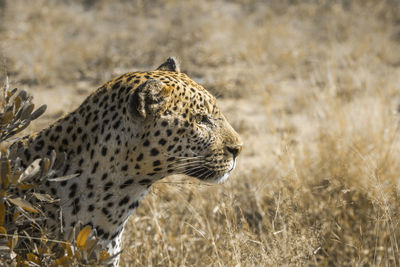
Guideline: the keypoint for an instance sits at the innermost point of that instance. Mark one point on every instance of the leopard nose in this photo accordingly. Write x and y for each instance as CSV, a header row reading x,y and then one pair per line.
x,y
235,150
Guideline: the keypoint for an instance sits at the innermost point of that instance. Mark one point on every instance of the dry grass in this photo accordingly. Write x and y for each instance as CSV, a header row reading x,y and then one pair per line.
x,y
313,87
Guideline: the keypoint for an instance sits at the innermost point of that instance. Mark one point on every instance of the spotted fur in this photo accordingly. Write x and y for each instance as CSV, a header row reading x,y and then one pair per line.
x,y
131,132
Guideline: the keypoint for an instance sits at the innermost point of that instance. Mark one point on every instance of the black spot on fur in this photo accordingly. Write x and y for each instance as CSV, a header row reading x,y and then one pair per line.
x,y
154,152
134,205
75,206
145,182
126,183
116,124
123,201
104,151
105,211
106,235
100,231
39,145
107,197
115,235
27,154
89,184
116,85
95,167
72,190
94,128
108,186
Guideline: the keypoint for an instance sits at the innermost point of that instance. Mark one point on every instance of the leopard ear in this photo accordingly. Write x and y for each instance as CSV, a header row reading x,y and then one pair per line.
x,y
171,64
150,98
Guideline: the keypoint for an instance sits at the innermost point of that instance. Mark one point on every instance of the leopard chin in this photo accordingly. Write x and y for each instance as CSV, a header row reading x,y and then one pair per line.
x,y
222,179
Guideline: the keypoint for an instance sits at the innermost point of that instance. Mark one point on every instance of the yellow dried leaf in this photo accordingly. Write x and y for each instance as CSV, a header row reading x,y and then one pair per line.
x,y
2,213
90,244
78,255
7,117
25,186
104,256
63,261
3,232
19,261
12,241
32,257
9,244
67,247
17,103
52,245
6,181
46,164
5,172
27,110
23,204
22,186
83,236
15,176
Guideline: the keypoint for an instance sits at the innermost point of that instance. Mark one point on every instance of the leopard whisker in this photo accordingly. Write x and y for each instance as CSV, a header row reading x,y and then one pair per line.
x,y
185,164
209,175
195,171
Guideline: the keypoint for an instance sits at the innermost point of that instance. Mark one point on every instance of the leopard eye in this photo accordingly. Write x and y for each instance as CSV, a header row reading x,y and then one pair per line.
x,y
204,119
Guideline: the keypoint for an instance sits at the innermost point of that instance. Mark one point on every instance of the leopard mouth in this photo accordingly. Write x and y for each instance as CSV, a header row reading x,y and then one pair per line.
x,y
205,173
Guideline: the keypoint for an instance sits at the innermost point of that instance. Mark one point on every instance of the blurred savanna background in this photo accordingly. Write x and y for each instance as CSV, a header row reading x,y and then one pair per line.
x,y
313,88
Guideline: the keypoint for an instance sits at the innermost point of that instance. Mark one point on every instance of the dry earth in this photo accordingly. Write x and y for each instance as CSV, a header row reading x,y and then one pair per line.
x,y
313,87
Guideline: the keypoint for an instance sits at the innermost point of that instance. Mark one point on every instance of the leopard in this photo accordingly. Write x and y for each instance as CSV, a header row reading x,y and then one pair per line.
x,y
128,134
